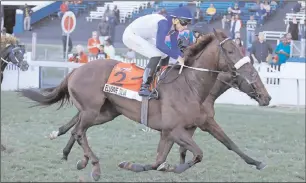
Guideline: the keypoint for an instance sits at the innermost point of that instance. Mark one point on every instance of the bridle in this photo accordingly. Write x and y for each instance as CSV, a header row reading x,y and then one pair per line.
x,y
5,61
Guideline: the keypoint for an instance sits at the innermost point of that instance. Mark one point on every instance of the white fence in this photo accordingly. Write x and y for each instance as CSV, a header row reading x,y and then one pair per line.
x,y
287,86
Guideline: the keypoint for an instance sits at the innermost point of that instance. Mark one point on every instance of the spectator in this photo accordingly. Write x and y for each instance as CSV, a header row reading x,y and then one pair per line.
x,y
251,27
235,10
261,50
261,14
302,32
273,3
235,26
297,7
211,10
63,9
64,41
103,29
267,7
80,56
108,13
117,14
226,21
240,46
283,51
293,28
289,37
93,44
102,54
149,5
130,55
27,12
109,49
198,16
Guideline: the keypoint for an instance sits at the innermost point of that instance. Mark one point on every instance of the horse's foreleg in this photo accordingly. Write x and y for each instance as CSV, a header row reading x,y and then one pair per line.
x,y
164,147
216,131
183,150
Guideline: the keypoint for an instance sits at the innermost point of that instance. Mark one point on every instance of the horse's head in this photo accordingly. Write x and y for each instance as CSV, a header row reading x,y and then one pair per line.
x,y
231,60
241,84
15,55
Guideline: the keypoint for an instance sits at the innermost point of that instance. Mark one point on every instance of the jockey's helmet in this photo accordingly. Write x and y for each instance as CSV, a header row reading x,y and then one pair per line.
x,y
183,14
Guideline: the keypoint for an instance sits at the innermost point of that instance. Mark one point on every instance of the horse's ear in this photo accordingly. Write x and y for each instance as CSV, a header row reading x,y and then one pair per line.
x,y
216,34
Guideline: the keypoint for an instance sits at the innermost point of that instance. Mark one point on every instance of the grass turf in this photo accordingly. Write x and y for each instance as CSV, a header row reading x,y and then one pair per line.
x,y
275,136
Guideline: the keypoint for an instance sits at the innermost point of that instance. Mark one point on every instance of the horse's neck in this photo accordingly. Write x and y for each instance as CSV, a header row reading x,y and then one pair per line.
x,y
218,89
200,82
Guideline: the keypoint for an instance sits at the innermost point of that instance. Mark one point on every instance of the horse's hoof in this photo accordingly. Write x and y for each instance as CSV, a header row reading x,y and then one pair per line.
x,y
95,176
65,158
122,164
164,166
53,135
261,166
181,168
80,165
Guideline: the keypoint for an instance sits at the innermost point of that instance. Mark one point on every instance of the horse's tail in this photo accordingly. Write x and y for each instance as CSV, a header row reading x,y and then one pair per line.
x,y
55,94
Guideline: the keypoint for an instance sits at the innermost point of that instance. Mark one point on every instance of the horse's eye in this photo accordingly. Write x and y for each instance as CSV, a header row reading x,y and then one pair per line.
x,y
230,52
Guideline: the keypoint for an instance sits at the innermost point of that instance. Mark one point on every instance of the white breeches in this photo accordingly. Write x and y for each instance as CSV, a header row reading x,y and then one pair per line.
x,y
140,45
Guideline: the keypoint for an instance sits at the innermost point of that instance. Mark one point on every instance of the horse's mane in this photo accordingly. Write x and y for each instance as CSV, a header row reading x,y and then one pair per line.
x,y
203,42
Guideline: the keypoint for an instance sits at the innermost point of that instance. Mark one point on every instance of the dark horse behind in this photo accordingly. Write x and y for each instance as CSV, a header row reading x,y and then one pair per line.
x,y
13,54
177,111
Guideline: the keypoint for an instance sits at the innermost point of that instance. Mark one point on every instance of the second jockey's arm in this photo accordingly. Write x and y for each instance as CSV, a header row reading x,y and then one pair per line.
x,y
162,32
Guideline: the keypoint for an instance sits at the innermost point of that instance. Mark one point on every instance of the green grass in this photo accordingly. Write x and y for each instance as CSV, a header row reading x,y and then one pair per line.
x,y
275,136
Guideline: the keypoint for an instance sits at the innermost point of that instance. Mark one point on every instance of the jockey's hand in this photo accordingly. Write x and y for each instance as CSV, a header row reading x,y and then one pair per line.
x,y
181,60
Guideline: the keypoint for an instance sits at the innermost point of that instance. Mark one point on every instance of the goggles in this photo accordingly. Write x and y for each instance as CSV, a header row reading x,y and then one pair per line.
x,y
184,22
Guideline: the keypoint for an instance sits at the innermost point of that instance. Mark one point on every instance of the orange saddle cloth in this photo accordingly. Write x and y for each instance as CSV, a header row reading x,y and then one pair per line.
x,y
125,80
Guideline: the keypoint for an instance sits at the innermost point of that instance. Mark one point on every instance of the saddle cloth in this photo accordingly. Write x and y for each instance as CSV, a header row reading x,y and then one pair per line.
x,y
125,80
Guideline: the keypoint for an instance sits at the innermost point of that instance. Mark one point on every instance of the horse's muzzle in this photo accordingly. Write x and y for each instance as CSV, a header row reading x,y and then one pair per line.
x,y
24,66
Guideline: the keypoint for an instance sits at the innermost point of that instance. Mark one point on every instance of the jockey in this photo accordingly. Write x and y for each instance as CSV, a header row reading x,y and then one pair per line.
x,y
146,35
199,29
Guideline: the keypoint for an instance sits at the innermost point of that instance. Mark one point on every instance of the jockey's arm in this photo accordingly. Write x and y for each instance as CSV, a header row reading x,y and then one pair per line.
x,y
162,32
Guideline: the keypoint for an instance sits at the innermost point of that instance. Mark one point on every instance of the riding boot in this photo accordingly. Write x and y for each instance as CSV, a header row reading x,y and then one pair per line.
x,y
148,77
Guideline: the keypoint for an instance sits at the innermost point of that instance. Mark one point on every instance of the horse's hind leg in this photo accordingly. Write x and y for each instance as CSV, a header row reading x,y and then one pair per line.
x,y
183,138
216,131
164,147
64,129
183,150
68,147
87,119
108,113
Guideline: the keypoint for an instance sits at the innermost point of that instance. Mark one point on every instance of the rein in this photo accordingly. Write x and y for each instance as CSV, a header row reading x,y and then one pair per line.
x,y
194,68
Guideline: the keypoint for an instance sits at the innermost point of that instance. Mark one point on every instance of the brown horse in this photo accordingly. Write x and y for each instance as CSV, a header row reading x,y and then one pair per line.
x,y
223,83
174,114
